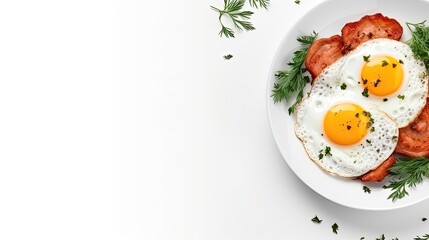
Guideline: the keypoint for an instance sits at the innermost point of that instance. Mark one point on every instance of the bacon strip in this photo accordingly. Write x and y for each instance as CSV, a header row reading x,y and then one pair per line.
x,y
413,139
380,172
322,53
370,27
325,51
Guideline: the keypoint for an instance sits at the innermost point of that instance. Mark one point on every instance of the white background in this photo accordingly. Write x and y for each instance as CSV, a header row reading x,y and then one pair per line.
x,y
121,120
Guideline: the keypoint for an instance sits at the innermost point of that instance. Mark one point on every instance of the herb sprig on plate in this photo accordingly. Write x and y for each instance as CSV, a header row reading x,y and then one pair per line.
x,y
293,80
419,42
407,173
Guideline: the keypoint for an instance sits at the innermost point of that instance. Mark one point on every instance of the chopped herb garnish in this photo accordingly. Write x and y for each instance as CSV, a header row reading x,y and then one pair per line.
x,y
394,65
378,150
335,228
316,219
385,99
372,130
297,1
362,238
349,127
227,57
377,82
366,189
365,92
357,115
343,86
401,97
366,58
424,219
394,137
401,62
368,141
384,63
364,81
328,151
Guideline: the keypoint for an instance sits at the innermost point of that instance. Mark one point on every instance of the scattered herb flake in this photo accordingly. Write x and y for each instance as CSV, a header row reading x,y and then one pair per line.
x,y
385,99
335,228
316,219
424,219
343,86
401,97
366,189
227,57
394,65
384,63
424,237
297,1
401,62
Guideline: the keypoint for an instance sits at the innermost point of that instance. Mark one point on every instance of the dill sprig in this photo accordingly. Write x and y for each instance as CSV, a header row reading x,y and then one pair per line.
x,y
419,42
293,80
407,172
233,10
259,3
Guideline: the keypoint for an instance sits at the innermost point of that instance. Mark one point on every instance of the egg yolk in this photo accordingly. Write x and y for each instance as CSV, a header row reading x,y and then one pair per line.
x,y
382,75
346,123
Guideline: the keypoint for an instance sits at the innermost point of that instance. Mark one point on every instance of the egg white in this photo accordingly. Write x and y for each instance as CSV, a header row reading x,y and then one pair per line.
x,y
414,88
346,161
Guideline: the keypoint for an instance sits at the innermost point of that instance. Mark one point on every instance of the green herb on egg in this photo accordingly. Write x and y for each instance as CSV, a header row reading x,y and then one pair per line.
x,y
366,58
365,92
384,63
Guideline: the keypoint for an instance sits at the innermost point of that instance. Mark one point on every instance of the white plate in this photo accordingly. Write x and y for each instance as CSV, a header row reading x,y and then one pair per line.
x,y
327,19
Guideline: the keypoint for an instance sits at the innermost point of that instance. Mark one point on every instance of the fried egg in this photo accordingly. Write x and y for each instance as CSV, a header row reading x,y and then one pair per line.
x,y
349,122
384,72
343,136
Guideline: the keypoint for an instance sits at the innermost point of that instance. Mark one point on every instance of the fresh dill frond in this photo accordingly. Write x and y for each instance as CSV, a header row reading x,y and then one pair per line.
x,y
407,173
419,41
259,3
293,80
234,10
